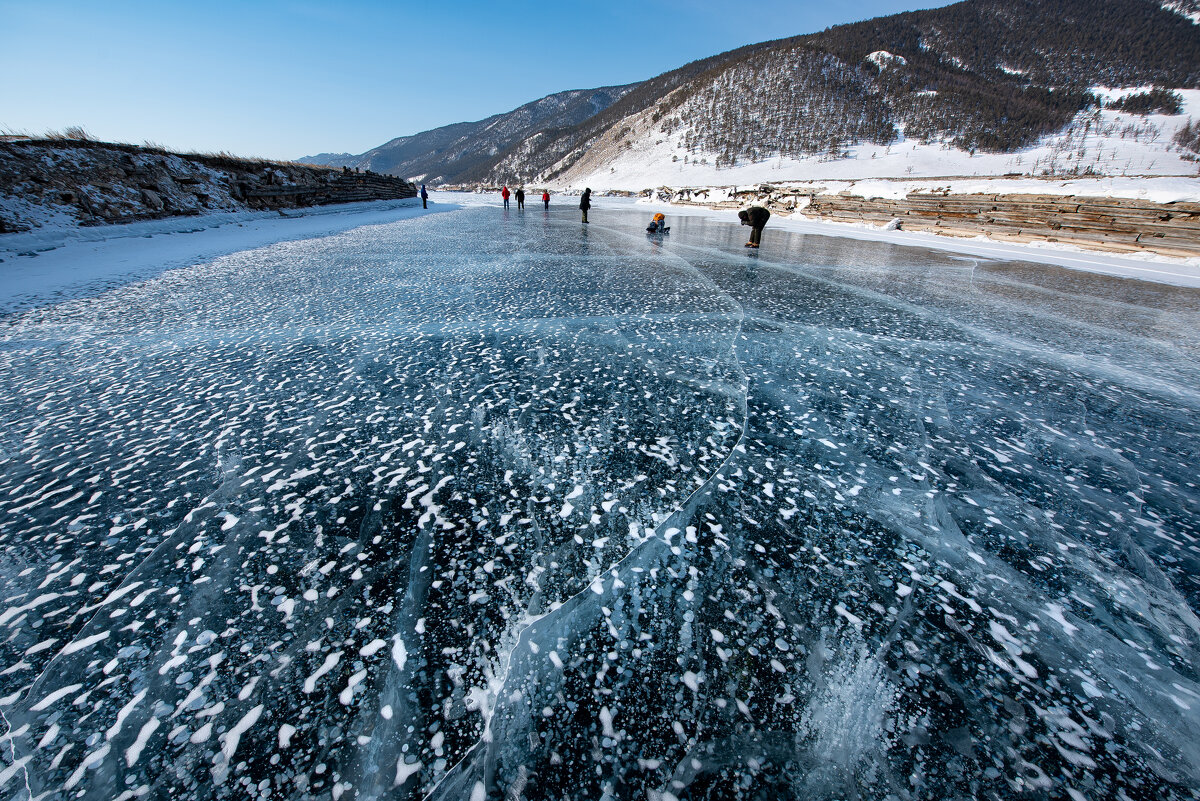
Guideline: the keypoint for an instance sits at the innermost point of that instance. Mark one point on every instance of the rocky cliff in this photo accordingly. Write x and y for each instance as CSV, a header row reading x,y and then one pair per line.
x,y
64,181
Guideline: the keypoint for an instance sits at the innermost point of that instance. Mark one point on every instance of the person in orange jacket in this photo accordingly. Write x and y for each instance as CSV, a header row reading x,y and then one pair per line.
x,y
658,225
504,194
546,198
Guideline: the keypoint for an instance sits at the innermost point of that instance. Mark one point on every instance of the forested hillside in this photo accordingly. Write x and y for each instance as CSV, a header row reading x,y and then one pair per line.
x,y
992,76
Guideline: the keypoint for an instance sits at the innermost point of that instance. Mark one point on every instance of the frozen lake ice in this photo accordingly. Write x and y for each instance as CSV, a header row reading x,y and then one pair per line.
x,y
496,505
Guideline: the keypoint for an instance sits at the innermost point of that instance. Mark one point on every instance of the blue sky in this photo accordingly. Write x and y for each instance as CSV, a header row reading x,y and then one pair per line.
x,y
290,78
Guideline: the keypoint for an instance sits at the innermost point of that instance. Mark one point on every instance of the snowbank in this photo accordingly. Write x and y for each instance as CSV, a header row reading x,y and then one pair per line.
x,y
55,260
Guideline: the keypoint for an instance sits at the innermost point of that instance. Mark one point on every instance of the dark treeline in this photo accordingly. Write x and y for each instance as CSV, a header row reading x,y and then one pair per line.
x,y
1189,136
1156,101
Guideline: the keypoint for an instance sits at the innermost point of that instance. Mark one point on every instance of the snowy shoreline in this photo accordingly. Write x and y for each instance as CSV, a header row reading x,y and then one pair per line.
x,y
53,262
1151,188
56,263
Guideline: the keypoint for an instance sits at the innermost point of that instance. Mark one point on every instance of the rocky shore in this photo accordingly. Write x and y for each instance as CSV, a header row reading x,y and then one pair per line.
x,y
82,182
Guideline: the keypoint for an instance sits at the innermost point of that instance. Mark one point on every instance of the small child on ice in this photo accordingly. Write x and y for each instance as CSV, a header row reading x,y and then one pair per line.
x,y
658,225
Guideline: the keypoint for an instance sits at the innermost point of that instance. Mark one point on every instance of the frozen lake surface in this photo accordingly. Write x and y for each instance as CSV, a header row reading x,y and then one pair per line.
x,y
496,505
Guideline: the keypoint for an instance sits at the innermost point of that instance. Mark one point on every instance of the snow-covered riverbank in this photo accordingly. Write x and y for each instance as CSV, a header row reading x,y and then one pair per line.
x,y
53,260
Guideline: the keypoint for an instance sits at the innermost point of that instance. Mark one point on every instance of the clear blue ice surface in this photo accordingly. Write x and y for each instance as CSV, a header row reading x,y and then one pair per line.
x,y
486,505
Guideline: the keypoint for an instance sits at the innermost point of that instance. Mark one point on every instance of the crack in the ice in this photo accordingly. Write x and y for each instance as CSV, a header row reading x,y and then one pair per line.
x,y
678,514
12,750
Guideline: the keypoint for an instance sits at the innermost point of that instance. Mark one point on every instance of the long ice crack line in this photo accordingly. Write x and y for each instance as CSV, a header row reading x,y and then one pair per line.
x,y
12,750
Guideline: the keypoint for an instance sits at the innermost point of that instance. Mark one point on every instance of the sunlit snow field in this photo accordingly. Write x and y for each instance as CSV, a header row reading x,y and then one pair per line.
x,y
491,504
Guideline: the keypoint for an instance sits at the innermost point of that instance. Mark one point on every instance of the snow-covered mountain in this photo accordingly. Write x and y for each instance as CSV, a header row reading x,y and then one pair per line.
x,y
443,154
984,86
979,87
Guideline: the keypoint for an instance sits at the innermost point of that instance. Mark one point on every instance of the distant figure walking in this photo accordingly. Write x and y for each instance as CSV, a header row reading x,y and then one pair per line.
x,y
756,217
520,198
546,198
585,203
424,197
504,194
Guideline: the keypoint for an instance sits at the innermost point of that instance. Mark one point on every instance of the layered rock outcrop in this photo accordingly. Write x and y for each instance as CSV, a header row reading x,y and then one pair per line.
x,y
93,183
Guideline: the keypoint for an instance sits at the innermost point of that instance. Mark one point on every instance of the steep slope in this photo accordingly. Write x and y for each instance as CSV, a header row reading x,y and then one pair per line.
x,y
982,75
445,154
553,150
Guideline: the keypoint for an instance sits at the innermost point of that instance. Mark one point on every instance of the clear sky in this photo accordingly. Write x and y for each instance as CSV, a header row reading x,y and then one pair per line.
x,y
287,78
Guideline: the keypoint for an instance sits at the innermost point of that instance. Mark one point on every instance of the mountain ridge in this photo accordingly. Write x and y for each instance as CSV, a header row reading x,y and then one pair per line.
x,y
442,154
988,76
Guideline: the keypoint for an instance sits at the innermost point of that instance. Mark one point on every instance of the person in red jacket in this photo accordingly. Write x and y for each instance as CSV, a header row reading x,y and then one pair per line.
x,y
504,194
546,198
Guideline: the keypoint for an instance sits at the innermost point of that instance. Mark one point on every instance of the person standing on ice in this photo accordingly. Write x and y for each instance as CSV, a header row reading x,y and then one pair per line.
x,y
546,198
520,199
585,203
756,217
424,197
504,194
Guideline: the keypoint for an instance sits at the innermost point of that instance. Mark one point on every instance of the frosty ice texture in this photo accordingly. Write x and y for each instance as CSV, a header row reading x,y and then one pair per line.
x,y
472,507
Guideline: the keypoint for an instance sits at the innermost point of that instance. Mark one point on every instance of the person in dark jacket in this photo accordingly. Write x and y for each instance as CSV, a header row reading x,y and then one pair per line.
x,y
546,198
756,217
585,203
424,197
520,198
504,194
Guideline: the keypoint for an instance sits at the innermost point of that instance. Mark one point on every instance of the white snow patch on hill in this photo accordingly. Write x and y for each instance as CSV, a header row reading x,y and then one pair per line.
x,y
1184,9
1099,142
883,59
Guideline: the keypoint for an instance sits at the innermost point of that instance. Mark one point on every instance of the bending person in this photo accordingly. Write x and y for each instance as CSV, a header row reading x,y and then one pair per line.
x,y
658,225
756,217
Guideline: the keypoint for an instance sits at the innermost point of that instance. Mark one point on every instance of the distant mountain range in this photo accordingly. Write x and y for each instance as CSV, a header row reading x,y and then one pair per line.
x,y
991,76
444,155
